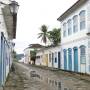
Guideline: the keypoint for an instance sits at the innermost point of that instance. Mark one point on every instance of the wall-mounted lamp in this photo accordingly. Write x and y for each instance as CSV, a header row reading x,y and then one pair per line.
x,y
13,6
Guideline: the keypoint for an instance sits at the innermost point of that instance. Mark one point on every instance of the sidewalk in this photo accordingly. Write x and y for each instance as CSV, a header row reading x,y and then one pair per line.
x,y
14,81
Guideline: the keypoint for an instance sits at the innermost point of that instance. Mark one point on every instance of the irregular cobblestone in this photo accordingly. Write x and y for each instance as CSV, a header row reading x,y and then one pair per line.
x,y
29,77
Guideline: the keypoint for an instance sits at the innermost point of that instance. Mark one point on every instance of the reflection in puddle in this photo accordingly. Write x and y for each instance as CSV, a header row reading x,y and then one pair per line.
x,y
61,84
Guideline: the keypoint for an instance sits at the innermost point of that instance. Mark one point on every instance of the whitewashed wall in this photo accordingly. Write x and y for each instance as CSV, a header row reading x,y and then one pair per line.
x,y
3,29
77,35
53,50
27,55
2,24
39,60
72,45
77,39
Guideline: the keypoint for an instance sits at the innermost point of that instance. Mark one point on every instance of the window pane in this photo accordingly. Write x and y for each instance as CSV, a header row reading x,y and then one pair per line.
x,y
64,30
82,55
82,25
82,20
83,59
69,27
75,23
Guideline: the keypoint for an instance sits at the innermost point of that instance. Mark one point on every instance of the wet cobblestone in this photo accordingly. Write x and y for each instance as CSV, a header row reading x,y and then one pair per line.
x,y
35,78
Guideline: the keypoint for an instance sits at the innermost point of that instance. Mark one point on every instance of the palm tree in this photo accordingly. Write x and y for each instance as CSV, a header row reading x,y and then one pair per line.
x,y
43,34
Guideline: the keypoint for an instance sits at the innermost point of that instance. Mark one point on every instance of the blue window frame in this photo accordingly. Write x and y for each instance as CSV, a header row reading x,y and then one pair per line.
x,y
82,54
69,27
65,58
75,23
82,20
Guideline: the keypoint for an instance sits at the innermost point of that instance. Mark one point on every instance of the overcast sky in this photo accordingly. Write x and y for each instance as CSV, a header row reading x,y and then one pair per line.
x,y
34,13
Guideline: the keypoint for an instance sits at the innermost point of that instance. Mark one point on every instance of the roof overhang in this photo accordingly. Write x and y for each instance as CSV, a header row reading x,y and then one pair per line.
x,y
10,21
71,9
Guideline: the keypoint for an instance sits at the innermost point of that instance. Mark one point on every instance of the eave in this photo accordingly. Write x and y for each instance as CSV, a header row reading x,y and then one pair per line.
x,y
10,21
71,9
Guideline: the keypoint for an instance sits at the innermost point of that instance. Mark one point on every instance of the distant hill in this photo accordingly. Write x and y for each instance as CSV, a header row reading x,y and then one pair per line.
x,y
19,56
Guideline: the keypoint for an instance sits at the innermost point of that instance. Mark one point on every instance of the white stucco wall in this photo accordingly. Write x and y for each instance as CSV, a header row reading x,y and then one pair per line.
x,y
27,55
72,45
3,29
80,33
48,51
2,24
53,50
77,39
39,60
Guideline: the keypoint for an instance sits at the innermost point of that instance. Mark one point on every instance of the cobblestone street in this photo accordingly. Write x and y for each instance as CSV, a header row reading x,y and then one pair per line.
x,y
28,77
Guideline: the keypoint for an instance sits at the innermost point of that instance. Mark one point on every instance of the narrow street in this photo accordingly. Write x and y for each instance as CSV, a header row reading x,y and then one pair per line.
x,y
28,77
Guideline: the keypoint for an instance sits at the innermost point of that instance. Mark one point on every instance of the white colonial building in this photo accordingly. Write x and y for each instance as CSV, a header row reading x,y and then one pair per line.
x,y
27,55
75,37
49,56
7,34
28,51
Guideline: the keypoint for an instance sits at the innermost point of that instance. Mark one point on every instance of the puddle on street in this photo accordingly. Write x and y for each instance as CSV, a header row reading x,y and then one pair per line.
x,y
62,83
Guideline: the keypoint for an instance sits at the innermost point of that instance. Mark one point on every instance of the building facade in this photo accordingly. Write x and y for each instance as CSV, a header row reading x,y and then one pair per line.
x,y
75,37
49,56
28,51
7,34
74,52
27,55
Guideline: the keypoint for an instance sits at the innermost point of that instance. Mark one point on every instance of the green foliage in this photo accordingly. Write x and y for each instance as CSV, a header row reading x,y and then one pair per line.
x,y
44,34
55,36
33,55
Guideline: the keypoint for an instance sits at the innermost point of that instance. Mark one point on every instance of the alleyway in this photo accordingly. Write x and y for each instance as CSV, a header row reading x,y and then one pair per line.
x,y
27,77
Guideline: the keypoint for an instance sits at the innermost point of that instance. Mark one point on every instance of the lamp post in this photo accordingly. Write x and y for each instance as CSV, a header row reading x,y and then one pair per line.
x,y
13,6
14,9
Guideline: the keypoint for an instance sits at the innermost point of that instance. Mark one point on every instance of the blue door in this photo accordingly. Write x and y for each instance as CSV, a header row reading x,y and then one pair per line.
x,y
3,48
3,58
65,59
52,59
0,60
75,59
70,59
59,60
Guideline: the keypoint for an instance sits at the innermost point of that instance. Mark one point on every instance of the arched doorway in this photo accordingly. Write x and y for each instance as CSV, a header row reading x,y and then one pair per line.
x,y
75,59
70,59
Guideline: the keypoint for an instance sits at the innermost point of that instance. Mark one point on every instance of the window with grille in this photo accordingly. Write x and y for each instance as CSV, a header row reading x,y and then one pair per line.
x,y
75,23
64,30
69,27
82,20
83,54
